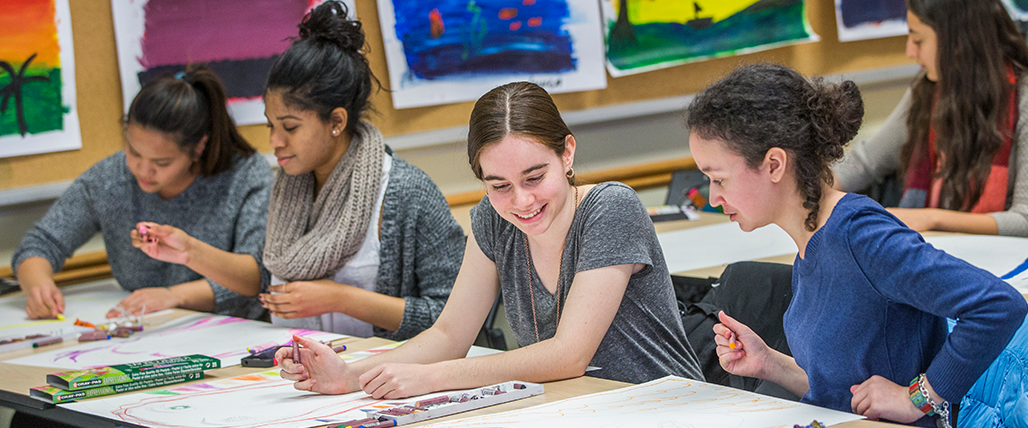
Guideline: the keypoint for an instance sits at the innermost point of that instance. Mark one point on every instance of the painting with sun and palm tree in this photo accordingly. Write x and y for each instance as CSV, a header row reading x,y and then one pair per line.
x,y
37,78
645,35
446,51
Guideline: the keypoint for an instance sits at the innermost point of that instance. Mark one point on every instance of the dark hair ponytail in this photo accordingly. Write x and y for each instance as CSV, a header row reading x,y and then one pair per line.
x,y
762,106
189,106
325,68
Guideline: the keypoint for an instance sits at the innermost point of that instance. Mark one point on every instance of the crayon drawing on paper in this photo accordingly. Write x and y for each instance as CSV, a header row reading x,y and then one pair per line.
x,y
645,35
37,78
447,51
870,19
238,39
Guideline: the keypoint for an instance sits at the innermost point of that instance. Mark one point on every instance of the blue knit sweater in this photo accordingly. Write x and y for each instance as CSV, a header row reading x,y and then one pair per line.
x,y
871,298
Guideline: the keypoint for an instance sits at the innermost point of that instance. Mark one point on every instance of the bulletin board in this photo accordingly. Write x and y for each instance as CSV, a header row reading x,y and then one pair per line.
x,y
100,99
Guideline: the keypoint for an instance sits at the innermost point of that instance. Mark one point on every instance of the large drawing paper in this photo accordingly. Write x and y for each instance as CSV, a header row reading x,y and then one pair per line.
x,y
256,400
89,302
870,19
721,244
447,51
225,338
238,39
1003,256
667,402
37,79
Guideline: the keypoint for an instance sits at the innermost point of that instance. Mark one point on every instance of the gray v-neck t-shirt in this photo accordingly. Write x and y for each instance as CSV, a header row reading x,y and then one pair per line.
x,y
645,341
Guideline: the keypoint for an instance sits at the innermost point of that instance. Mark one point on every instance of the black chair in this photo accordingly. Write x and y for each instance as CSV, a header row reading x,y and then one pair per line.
x,y
490,336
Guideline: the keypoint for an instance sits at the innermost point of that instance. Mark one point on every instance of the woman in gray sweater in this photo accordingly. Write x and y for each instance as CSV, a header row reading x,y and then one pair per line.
x,y
359,242
187,179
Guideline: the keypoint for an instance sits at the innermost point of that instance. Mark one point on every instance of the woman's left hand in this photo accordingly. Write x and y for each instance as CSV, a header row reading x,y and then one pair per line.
x,y
162,242
301,299
880,398
152,298
393,381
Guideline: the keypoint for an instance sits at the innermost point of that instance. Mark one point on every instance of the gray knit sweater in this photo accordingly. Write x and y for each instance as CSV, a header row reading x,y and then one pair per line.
x,y
873,159
422,248
226,210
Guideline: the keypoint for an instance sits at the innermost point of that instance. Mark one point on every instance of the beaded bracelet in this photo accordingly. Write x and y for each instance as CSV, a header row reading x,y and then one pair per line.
x,y
923,401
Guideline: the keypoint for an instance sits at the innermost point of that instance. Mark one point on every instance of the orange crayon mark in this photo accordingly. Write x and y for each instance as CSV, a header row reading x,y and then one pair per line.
x,y
508,13
435,20
514,26
527,2
535,22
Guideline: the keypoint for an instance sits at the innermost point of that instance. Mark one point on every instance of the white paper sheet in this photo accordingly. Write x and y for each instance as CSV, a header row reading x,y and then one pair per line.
x,y
721,244
225,338
1003,256
88,302
256,400
668,402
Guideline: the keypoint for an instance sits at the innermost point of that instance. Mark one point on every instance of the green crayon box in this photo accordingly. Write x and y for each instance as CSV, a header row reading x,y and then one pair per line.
x,y
131,372
57,395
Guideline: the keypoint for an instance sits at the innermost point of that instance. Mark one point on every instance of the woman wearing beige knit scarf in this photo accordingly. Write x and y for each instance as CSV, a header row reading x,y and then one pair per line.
x,y
343,212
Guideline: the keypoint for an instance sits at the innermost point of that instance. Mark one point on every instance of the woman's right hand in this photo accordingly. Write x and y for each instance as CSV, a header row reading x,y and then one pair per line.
x,y
44,300
740,351
162,242
319,370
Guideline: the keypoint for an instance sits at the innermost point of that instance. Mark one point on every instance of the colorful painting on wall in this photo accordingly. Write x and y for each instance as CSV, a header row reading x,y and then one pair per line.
x,y
1018,9
37,78
157,37
645,35
870,19
447,51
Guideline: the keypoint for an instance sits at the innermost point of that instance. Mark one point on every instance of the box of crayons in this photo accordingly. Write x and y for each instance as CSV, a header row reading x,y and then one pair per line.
x,y
131,372
57,395
402,413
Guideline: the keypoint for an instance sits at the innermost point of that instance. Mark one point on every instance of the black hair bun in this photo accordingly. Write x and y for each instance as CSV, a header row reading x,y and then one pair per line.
x,y
837,113
329,23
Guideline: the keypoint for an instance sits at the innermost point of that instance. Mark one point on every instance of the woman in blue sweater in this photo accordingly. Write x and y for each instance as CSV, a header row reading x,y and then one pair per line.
x,y
867,323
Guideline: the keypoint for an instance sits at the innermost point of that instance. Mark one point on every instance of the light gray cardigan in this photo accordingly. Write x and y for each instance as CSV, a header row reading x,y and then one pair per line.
x,y
873,159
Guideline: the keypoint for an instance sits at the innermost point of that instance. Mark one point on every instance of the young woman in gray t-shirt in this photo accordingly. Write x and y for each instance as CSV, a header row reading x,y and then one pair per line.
x,y
580,270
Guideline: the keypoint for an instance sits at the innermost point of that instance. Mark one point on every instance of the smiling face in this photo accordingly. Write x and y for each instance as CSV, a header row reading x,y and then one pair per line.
x,y
746,195
922,46
158,163
526,182
302,141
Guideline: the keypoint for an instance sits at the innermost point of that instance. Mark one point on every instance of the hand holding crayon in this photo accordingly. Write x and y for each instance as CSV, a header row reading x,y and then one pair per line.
x,y
739,349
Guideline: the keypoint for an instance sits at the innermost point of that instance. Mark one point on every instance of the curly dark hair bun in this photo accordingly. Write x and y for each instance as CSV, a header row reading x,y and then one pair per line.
x,y
329,23
761,106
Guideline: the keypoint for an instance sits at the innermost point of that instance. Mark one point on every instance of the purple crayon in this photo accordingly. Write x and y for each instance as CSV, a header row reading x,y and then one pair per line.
x,y
94,335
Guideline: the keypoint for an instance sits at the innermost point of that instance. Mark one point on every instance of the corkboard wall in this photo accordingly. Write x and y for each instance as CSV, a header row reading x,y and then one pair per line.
x,y
100,105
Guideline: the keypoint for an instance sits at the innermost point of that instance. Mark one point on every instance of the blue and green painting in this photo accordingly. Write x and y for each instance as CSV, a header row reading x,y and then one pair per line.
x,y
461,38
648,34
1020,5
30,69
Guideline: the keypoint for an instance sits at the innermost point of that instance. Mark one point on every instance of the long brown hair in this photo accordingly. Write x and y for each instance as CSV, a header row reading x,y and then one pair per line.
x,y
519,108
976,38
189,106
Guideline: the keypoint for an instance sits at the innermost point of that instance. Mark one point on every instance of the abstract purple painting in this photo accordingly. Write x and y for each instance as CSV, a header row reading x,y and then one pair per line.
x,y
238,39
